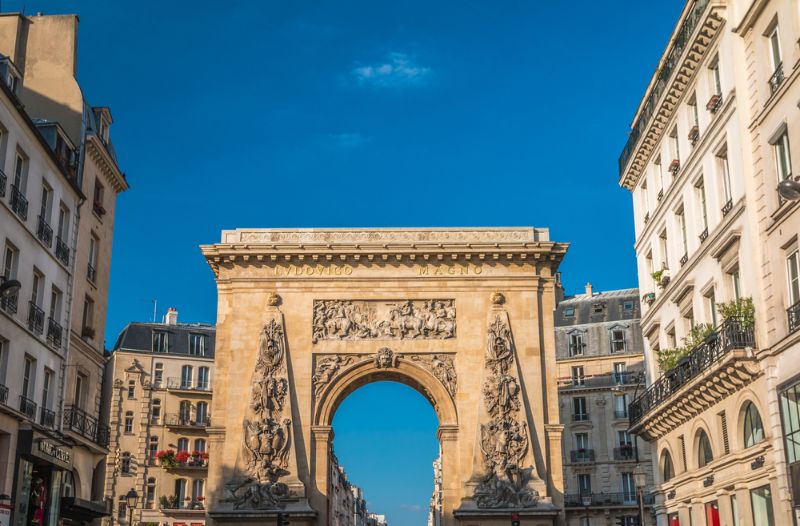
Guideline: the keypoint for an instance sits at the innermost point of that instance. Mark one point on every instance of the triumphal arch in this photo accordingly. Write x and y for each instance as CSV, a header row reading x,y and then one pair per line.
x,y
464,316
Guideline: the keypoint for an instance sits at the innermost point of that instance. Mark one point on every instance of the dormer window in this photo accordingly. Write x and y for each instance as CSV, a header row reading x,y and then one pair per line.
x,y
569,312
10,75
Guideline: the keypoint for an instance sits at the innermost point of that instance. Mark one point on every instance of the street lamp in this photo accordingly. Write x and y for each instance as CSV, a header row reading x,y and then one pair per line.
x,y
8,287
132,497
789,189
640,479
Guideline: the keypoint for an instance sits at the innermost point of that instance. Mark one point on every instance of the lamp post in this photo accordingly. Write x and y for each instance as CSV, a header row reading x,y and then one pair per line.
x,y
789,189
8,286
586,500
132,497
640,479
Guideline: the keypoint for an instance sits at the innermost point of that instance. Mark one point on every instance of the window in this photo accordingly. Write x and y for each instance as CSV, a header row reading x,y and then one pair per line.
x,y
662,239
734,511
152,448
47,384
667,469
97,204
693,115
581,441
27,376
37,287
579,408
704,453
20,172
131,389
155,411
716,80
712,514
627,306
577,375
644,199
711,304
723,169
128,422
701,199
793,273
628,487
91,269
55,303
160,341
790,418
183,444
576,344
63,223
753,429
197,489
200,445
80,387
185,411
624,438
186,377
584,483
675,149
621,406
775,48
736,285
598,308
158,374
88,317
47,199
761,499
10,261
618,343
620,372
673,519
201,412
126,463
122,509
569,312
180,492
197,345
202,378
150,494
783,157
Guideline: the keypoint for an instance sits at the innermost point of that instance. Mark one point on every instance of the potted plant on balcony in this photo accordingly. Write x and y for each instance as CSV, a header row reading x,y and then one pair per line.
x,y
669,359
649,298
741,309
182,457
167,458
661,277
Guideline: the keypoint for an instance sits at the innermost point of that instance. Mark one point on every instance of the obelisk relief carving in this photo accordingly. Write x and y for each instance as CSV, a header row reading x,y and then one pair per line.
x,y
263,466
506,470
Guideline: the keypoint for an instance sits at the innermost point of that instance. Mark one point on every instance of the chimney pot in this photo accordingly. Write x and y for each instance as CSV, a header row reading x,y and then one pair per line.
x,y
588,290
172,316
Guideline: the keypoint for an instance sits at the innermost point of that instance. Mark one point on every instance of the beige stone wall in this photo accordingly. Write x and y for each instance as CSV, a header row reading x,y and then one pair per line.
x,y
249,275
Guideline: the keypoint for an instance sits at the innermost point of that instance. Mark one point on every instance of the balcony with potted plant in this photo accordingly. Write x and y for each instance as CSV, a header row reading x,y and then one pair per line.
x,y
661,277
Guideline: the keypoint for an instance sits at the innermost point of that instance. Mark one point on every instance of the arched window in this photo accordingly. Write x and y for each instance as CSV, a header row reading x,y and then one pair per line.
x,y
200,445
150,494
183,444
126,463
155,411
129,422
131,388
667,469
704,452
186,377
202,413
202,378
753,429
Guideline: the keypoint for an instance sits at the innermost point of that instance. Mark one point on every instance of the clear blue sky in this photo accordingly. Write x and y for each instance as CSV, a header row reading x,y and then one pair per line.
x,y
362,113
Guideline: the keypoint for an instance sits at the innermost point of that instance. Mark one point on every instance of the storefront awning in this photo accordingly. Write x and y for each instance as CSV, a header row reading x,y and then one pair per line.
x,y
84,510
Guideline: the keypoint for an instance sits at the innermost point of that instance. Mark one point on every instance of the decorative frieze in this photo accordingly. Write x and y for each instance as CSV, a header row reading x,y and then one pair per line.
x,y
442,367
383,320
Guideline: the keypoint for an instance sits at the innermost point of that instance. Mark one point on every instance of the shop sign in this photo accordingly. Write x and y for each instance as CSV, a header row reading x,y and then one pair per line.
x,y
5,514
51,450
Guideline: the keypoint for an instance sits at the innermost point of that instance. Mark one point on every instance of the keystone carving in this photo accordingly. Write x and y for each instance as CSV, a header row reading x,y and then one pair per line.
x,y
385,358
267,433
504,438
442,368
379,320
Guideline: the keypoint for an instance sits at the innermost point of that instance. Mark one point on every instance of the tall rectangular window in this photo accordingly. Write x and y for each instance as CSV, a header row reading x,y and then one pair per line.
x,y
91,271
37,288
723,168
712,514
47,199
734,511
620,372
701,199
584,483
775,48
47,381
618,343
662,239
20,171
716,80
63,223
628,487
55,304
783,158
644,198
711,300
681,218
160,341
576,344
790,419
28,371
579,408
197,345
577,375
736,284
675,146
10,262
621,406
88,315
761,499
80,390
793,274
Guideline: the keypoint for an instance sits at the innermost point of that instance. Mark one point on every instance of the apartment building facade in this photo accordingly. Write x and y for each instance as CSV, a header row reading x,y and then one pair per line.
x,y
709,144
159,383
600,366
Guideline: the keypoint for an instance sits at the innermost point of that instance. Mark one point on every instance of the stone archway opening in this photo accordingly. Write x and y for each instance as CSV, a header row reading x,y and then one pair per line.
x,y
385,440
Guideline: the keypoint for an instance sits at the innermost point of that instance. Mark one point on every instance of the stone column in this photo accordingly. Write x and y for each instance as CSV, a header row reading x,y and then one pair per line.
x,y
555,475
321,437
451,485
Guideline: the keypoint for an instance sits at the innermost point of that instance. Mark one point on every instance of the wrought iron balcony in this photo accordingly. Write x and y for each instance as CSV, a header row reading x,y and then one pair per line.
x,y
44,232
624,453
27,407
91,273
727,207
3,180
703,235
776,79
62,251
3,394
79,421
600,380
714,103
793,313
54,333
684,259
9,303
606,499
35,318
183,420
580,417
694,134
581,456
733,333
186,384
47,418
19,204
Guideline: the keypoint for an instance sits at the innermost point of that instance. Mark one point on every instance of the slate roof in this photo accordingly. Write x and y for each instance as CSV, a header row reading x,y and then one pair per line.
x,y
600,307
138,336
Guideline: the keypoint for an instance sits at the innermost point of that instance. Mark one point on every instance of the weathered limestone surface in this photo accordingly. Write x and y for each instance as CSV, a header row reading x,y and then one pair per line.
x,y
465,316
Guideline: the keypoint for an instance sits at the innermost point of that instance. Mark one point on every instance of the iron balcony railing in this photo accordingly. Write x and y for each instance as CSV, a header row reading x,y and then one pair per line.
x,y
35,318
44,232
184,420
187,384
600,380
580,456
3,180
18,203
3,394
62,250
27,407
79,421
47,418
793,313
733,333
580,417
776,79
669,64
625,498
625,453
54,333
727,207
9,303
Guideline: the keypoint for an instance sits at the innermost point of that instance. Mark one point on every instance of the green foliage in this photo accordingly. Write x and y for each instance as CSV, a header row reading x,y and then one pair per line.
x,y
669,358
657,275
742,308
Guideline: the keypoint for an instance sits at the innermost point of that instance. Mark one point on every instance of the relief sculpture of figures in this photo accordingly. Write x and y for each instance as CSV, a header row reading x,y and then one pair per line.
x,y
442,367
326,369
382,320
267,433
504,439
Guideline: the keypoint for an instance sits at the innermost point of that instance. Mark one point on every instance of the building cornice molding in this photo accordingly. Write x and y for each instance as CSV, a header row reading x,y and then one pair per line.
x,y
99,154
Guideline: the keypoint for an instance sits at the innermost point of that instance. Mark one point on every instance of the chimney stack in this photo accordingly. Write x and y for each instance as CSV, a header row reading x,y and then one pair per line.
x,y
588,290
172,316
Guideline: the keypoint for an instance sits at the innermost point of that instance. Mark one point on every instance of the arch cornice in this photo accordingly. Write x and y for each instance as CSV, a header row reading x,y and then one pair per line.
x,y
366,371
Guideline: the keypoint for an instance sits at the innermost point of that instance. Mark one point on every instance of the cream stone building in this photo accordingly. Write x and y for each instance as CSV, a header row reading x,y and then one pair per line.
x,y
465,316
709,144
44,52
160,382
600,365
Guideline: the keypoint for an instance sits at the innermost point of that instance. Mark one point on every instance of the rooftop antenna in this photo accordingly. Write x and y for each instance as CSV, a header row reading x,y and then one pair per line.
x,y
155,305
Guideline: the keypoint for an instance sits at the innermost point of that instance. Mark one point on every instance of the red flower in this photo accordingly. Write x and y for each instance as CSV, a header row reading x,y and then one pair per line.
x,y
182,456
201,498
165,453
